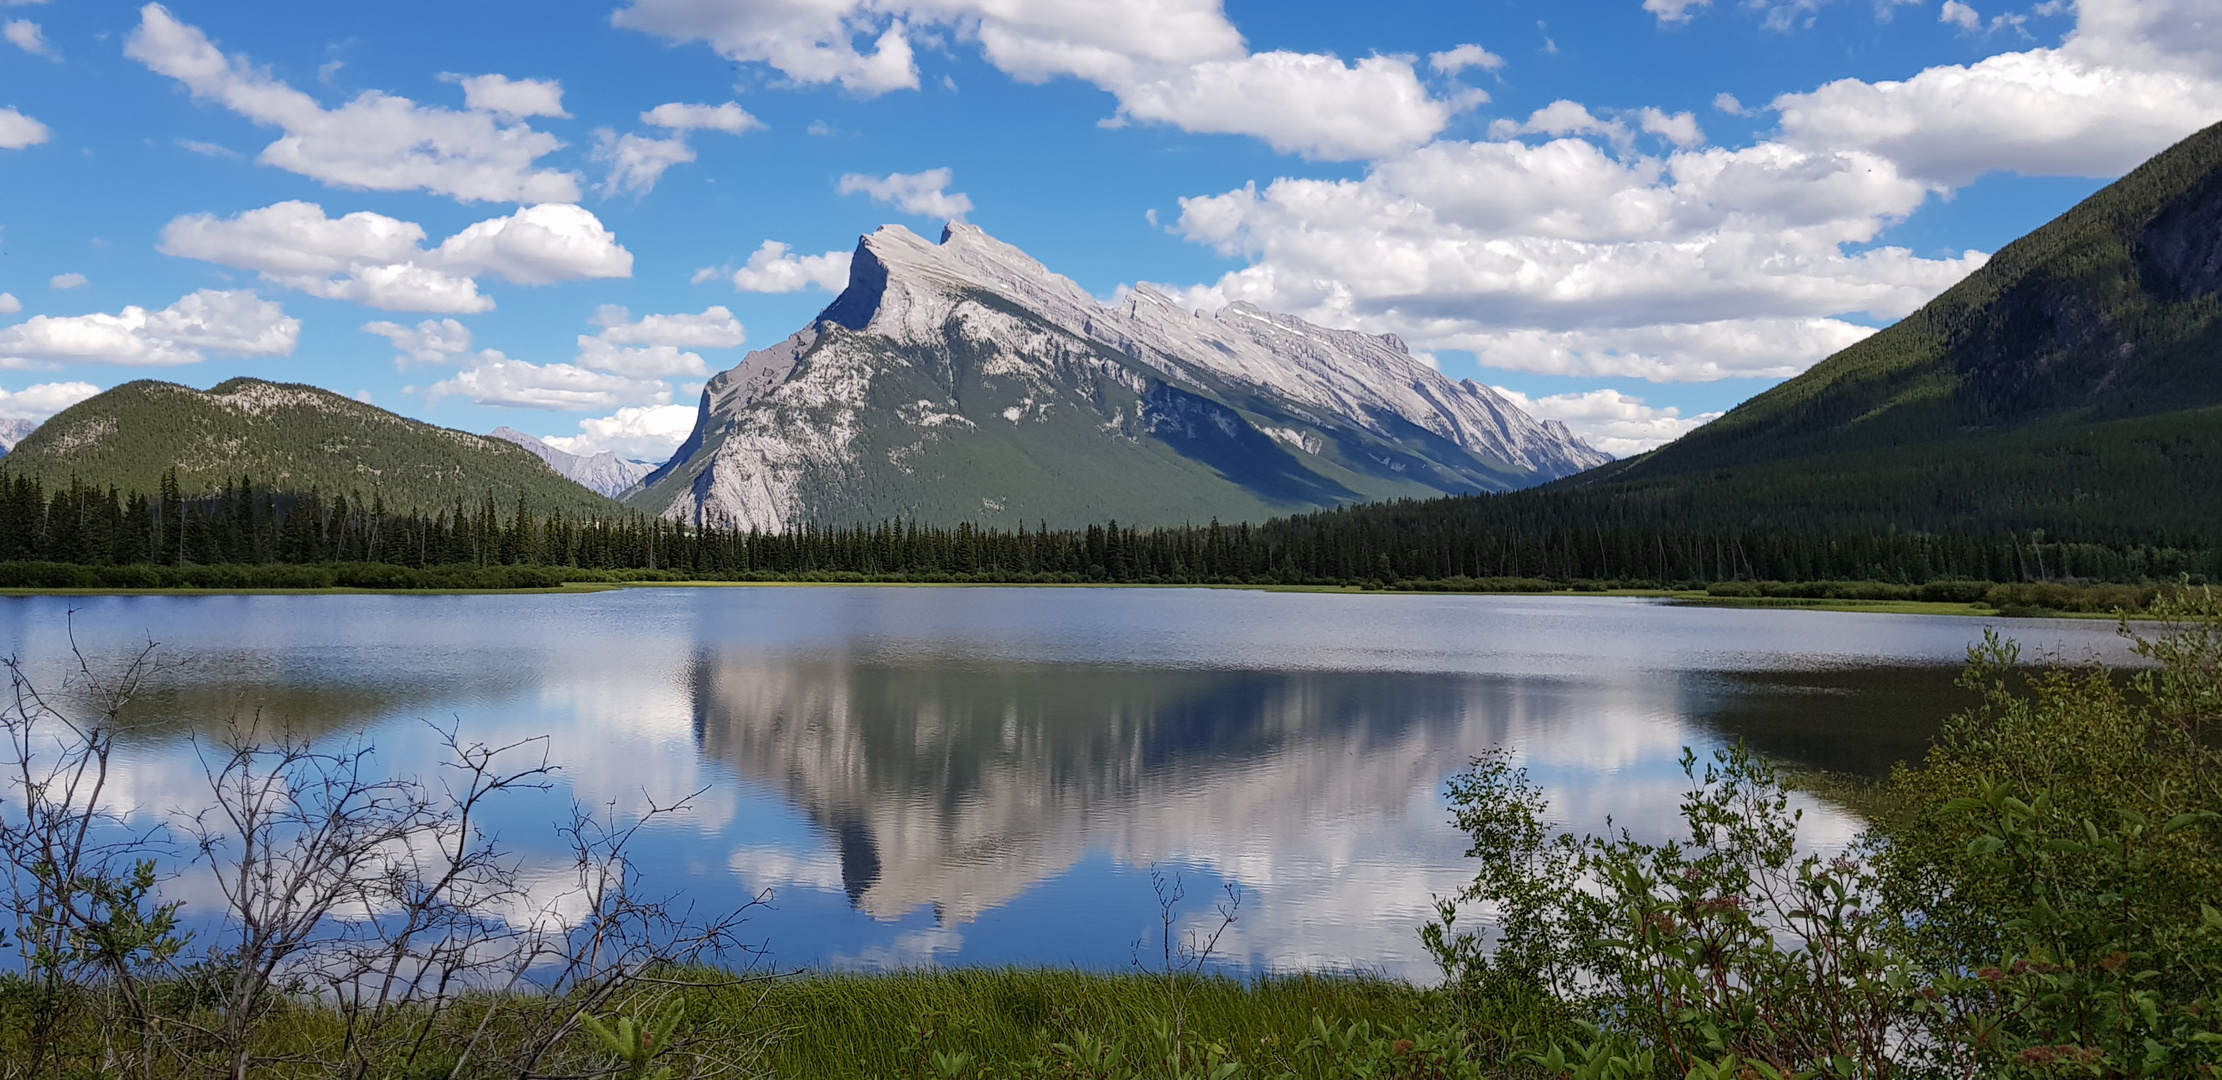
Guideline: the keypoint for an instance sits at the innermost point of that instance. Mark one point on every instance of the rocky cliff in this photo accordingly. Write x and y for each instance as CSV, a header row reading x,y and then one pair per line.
x,y
964,381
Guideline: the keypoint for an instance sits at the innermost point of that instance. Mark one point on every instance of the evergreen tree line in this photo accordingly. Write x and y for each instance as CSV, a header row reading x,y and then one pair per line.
x,y
1500,539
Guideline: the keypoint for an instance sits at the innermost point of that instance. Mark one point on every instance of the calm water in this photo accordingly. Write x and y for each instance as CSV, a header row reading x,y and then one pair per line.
x,y
940,775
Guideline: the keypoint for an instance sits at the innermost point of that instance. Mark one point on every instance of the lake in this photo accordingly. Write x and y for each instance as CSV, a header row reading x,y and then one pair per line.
x,y
989,775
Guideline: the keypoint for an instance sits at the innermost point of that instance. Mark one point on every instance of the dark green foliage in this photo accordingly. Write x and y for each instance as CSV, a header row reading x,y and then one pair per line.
x,y
292,438
245,536
2040,897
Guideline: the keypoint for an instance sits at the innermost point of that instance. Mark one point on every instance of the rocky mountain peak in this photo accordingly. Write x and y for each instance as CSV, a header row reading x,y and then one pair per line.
x,y
901,284
964,380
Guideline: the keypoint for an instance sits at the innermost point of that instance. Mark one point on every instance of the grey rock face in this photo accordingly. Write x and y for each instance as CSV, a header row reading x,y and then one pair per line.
x,y
963,379
12,431
604,473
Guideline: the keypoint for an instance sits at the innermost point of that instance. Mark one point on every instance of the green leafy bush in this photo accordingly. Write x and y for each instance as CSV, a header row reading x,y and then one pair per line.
x,y
2041,896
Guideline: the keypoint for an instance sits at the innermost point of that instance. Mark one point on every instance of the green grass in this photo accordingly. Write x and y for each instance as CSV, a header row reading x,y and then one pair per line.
x,y
834,1026
882,1025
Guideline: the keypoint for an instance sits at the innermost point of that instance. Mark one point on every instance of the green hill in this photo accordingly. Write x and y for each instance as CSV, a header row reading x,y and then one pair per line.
x,y
2072,384
288,438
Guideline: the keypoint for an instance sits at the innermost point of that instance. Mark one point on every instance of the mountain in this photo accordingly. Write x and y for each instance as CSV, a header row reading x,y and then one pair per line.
x,y
13,431
287,438
604,473
2073,384
964,381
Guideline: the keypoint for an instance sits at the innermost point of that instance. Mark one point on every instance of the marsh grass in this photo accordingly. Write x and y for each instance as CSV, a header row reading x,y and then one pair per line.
x,y
889,1024
862,1025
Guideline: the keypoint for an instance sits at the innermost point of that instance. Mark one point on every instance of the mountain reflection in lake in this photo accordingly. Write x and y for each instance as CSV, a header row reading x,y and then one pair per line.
x,y
986,775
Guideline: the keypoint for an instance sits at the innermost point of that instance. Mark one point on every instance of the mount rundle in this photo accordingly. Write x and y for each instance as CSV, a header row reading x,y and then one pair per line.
x,y
963,381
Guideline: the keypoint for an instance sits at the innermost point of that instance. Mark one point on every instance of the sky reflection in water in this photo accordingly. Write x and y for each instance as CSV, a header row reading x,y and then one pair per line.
x,y
937,775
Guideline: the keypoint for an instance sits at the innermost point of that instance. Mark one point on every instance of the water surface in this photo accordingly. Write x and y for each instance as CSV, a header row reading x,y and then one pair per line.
x,y
986,775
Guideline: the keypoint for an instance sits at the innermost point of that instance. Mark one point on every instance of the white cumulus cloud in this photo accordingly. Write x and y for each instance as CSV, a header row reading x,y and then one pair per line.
x,y
640,361
18,131
1298,103
2134,77
923,193
1678,128
775,268
41,400
1582,256
9,305
539,245
67,281
1674,11
640,432
1561,118
376,141
1560,257
495,379
378,261
812,42
714,328
433,341
512,99
678,116
1453,61
1179,62
636,162
656,346
1617,423
1960,15
26,35
237,323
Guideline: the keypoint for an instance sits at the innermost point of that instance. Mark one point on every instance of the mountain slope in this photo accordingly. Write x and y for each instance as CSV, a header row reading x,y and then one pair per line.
x,y
287,438
2063,381
964,381
604,473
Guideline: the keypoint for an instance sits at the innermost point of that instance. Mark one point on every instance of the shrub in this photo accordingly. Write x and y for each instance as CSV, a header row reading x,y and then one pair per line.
x,y
2041,896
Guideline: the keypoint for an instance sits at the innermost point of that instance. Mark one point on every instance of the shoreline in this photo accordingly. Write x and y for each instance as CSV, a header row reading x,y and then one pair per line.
x,y
1671,597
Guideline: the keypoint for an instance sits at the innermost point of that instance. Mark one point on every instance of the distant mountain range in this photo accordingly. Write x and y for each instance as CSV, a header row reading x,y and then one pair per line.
x,y
287,438
604,473
950,382
964,381
2072,386
12,431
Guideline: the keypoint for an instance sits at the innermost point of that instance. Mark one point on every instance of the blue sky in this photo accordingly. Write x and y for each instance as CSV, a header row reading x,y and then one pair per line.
x,y
1631,213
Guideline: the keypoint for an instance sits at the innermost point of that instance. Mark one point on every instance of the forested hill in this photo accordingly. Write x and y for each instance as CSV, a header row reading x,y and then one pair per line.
x,y
291,439
2073,383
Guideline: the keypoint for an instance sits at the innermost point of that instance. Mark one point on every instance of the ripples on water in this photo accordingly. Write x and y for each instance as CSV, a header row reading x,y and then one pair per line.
x,y
983,775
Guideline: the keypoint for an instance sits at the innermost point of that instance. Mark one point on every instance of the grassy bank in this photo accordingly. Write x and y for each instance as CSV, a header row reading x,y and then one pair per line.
x,y
871,1026
974,1023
